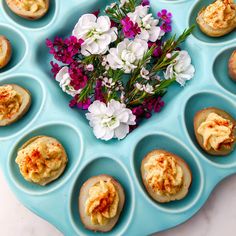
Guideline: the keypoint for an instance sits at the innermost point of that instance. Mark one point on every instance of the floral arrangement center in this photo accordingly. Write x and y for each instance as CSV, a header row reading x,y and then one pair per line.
x,y
118,65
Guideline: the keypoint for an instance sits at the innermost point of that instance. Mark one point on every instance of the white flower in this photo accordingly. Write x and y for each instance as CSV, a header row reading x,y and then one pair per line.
x,y
148,88
156,77
105,63
90,67
119,86
182,69
150,31
108,82
111,6
96,33
139,86
122,96
127,54
111,120
64,79
123,2
144,73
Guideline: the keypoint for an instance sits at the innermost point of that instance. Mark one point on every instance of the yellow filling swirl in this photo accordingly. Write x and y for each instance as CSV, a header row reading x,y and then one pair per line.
x,y
41,160
163,174
31,5
102,203
220,14
216,131
10,102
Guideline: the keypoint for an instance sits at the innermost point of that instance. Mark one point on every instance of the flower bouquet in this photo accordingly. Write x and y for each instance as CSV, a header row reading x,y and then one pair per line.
x,y
119,65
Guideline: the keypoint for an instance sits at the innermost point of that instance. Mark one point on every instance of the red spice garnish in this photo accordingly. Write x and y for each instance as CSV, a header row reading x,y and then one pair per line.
x,y
35,153
32,158
222,123
4,95
105,203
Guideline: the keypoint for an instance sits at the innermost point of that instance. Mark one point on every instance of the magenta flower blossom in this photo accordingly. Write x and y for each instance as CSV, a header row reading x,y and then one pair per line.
x,y
138,111
80,105
73,102
85,104
157,51
55,68
130,29
165,16
64,50
154,104
78,78
166,27
145,3
98,95
144,111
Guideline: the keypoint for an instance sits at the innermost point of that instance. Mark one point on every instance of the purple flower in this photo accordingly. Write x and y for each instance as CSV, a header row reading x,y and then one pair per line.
x,y
165,16
78,78
73,44
145,3
147,107
166,27
80,105
55,68
156,104
84,104
138,111
73,102
64,50
141,112
98,91
130,29
157,51
148,115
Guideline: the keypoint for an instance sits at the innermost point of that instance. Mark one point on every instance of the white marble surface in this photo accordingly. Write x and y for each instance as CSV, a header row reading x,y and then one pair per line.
x,y
216,218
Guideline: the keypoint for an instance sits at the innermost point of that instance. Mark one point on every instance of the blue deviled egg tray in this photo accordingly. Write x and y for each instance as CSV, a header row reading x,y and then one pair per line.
x,y
171,129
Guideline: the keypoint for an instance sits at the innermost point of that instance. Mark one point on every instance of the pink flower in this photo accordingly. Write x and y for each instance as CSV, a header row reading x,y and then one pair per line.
x,y
55,68
130,29
168,55
166,27
90,67
165,16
